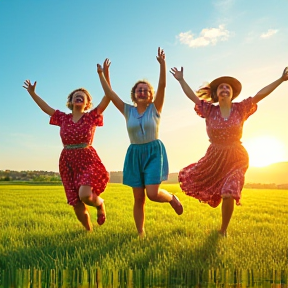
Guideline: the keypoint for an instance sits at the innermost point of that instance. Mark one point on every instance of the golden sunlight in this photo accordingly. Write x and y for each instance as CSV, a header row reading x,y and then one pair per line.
x,y
264,151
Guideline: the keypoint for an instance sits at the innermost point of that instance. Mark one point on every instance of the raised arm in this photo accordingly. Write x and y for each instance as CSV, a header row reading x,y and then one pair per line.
x,y
271,87
178,75
109,92
105,100
41,103
160,93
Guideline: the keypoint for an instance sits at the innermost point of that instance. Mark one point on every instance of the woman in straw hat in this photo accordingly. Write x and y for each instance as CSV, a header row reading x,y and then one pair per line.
x,y
219,175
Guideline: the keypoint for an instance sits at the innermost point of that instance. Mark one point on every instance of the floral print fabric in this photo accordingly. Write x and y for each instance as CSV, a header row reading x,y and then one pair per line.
x,y
80,166
221,172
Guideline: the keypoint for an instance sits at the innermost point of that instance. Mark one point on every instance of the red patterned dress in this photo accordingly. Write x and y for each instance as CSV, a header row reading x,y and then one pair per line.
x,y
221,172
80,166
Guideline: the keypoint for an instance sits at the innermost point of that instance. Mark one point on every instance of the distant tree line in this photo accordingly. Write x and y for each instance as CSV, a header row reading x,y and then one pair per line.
x,y
37,176
46,176
115,177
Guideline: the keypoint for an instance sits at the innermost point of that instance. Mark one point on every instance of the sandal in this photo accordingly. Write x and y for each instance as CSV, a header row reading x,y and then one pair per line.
x,y
101,215
176,205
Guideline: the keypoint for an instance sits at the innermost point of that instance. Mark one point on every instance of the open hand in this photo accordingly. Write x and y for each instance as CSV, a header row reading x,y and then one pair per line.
x,y
29,87
106,66
161,56
176,73
285,74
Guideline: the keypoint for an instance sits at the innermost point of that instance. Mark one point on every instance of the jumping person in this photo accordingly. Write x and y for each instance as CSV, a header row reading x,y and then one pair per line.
x,y
83,175
219,175
146,164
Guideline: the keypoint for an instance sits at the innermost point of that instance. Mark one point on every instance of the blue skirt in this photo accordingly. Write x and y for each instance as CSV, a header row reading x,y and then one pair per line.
x,y
145,164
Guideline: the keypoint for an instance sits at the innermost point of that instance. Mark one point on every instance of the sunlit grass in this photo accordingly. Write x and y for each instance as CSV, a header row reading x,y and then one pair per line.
x,y
39,230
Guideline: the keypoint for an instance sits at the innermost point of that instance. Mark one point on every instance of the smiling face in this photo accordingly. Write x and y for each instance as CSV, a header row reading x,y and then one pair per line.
x,y
142,92
224,91
80,99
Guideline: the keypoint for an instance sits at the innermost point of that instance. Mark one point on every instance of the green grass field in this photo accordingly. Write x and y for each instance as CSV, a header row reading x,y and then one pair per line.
x,y
40,231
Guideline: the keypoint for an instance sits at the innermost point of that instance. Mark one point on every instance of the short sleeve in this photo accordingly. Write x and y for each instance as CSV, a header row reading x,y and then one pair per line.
x,y
127,110
203,109
57,118
97,119
247,107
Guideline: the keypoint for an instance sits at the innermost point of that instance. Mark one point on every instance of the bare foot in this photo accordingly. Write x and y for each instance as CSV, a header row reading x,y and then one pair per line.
x,y
142,234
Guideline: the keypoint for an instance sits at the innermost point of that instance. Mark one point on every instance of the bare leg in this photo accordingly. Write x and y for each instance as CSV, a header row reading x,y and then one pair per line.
x,y
158,195
139,209
227,211
83,215
88,197
161,195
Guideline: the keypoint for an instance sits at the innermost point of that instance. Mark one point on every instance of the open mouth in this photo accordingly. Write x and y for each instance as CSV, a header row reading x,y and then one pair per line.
x,y
224,93
79,99
142,97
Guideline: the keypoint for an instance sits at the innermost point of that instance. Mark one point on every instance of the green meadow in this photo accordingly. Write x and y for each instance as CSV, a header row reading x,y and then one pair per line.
x,y
40,231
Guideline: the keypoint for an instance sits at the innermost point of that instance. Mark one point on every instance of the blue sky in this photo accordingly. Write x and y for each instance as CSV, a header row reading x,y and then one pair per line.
x,y
59,43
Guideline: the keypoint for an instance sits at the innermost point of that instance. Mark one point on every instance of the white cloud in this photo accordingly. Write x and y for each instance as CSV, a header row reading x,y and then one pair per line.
x,y
208,36
224,5
269,33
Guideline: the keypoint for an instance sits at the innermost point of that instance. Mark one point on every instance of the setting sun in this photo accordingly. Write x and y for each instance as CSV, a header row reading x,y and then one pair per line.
x,y
264,151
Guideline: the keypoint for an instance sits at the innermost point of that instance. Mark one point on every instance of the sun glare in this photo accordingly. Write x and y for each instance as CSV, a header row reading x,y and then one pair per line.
x,y
264,151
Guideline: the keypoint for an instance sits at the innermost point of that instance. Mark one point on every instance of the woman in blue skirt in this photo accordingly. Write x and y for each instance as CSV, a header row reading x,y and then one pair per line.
x,y
146,164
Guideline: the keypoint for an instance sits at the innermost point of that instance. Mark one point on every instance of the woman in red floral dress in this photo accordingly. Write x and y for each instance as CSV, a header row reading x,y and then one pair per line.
x,y
219,175
83,175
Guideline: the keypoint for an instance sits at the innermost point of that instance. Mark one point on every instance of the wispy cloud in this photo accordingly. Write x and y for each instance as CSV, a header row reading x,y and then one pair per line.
x,y
208,36
223,5
269,33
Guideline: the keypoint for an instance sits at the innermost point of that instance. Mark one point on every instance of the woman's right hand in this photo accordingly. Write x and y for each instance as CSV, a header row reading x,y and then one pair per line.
x,y
30,87
178,75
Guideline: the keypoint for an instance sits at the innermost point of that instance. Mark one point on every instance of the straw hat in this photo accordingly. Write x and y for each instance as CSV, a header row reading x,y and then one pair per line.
x,y
233,82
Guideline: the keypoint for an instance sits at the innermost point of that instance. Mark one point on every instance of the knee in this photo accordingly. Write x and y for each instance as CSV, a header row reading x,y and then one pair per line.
x,y
152,196
85,199
139,200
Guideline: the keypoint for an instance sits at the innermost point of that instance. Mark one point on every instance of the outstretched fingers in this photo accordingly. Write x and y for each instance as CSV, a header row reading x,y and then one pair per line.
x,y
107,63
161,55
28,86
173,70
178,74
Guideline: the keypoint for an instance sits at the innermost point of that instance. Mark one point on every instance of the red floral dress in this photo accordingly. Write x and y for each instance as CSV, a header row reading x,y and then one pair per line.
x,y
80,166
221,172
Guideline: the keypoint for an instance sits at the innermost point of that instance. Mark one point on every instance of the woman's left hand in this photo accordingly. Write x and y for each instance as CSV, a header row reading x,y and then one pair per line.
x,y
99,69
161,56
285,74
106,66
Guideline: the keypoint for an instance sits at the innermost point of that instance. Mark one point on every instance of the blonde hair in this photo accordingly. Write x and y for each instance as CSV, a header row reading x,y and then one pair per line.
x,y
132,93
205,92
69,99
